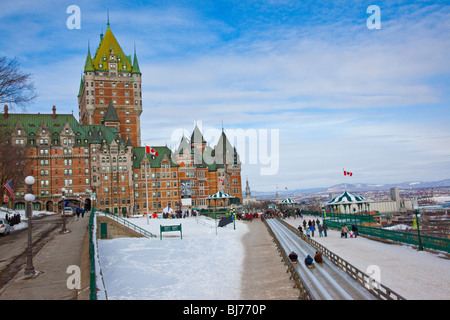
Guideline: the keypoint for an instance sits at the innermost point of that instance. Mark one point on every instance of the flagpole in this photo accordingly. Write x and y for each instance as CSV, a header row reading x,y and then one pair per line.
x,y
345,181
146,186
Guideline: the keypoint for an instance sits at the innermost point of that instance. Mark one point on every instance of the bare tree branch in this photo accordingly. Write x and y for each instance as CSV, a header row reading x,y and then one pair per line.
x,y
16,87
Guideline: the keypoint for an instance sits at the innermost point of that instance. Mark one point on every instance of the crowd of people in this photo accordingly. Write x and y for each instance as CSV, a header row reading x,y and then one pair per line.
x,y
13,219
312,225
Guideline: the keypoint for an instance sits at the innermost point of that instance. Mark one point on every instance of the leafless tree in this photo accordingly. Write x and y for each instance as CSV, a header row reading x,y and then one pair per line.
x,y
13,162
16,87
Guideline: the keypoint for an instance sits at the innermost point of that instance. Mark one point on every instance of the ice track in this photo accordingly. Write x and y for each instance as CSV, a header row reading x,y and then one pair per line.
x,y
325,281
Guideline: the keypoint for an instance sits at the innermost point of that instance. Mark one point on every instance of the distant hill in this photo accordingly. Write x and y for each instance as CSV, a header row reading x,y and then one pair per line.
x,y
358,187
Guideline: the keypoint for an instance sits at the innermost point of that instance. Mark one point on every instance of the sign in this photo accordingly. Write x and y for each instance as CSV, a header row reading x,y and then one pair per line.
x,y
186,191
170,229
5,199
186,201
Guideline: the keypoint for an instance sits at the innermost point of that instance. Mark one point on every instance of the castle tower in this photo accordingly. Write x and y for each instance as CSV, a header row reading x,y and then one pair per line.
x,y
112,77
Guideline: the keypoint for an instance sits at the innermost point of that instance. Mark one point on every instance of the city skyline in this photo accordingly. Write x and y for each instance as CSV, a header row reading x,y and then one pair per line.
x,y
340,96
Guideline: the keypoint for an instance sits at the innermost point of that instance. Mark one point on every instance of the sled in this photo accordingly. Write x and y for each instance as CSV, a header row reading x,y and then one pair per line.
x,y
310,266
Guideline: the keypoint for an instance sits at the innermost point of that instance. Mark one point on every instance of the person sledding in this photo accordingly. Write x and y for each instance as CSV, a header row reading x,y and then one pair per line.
x,y
318,257
309,262
293,256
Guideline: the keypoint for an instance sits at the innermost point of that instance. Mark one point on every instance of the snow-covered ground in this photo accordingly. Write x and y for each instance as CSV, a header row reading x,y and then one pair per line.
x,y
205,266
419,275
202,265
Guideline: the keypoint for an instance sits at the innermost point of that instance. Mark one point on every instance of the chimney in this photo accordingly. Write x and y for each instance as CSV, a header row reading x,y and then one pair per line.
x,y
54,112
5,115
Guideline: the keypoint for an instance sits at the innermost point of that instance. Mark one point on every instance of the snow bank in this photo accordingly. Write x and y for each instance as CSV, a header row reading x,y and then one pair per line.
x,y
202,265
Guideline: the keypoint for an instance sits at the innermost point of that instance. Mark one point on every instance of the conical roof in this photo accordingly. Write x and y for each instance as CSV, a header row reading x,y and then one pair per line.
x,y
347,198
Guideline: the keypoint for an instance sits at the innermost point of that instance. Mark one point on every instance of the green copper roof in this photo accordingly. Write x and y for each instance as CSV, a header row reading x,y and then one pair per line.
x,y
155,162
136,65
111,114
80,91
88,66
109,44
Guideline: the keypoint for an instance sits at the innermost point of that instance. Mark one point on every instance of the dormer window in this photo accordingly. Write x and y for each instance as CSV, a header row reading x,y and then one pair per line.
x,y
19,132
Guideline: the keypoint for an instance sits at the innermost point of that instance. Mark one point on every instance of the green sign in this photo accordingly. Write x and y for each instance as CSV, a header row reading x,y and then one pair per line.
x,y
170,229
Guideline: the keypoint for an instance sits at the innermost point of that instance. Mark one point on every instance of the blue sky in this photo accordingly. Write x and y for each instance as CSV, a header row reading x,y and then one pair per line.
x,y
340,95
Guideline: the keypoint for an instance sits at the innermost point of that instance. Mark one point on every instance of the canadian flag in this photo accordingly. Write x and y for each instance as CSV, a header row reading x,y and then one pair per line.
x,y
151,151
346,173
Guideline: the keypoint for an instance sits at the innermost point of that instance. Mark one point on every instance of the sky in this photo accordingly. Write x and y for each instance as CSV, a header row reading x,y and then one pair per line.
x,y
303,89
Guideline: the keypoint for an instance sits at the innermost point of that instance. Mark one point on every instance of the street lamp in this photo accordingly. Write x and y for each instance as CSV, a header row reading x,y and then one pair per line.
x,y
63,197
417,212
29,198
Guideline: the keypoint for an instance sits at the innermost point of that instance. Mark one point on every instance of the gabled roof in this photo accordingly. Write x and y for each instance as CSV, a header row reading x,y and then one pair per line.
x,y
197,136
155,162
111,114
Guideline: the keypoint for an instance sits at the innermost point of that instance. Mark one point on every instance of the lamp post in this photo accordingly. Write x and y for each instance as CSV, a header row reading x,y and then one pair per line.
x,y
63,197
416,212
29,198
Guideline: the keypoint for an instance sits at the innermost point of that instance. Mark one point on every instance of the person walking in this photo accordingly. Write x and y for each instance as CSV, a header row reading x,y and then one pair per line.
x,y
320,230
308,232
355,230
313,228
325,228
344,231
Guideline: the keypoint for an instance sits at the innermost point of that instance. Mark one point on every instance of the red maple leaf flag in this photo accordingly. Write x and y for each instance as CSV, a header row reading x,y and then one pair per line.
x,y
151,151
346,173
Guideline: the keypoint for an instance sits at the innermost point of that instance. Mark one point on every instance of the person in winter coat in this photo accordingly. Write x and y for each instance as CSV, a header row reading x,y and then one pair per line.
x,y
344,231
318,257
355,230
300,229
313,228
308,232
293,256
320,230
325,228
309,261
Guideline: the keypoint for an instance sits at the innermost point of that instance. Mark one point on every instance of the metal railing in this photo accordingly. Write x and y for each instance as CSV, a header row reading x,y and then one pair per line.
x,y
430,242
92,276
130,225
